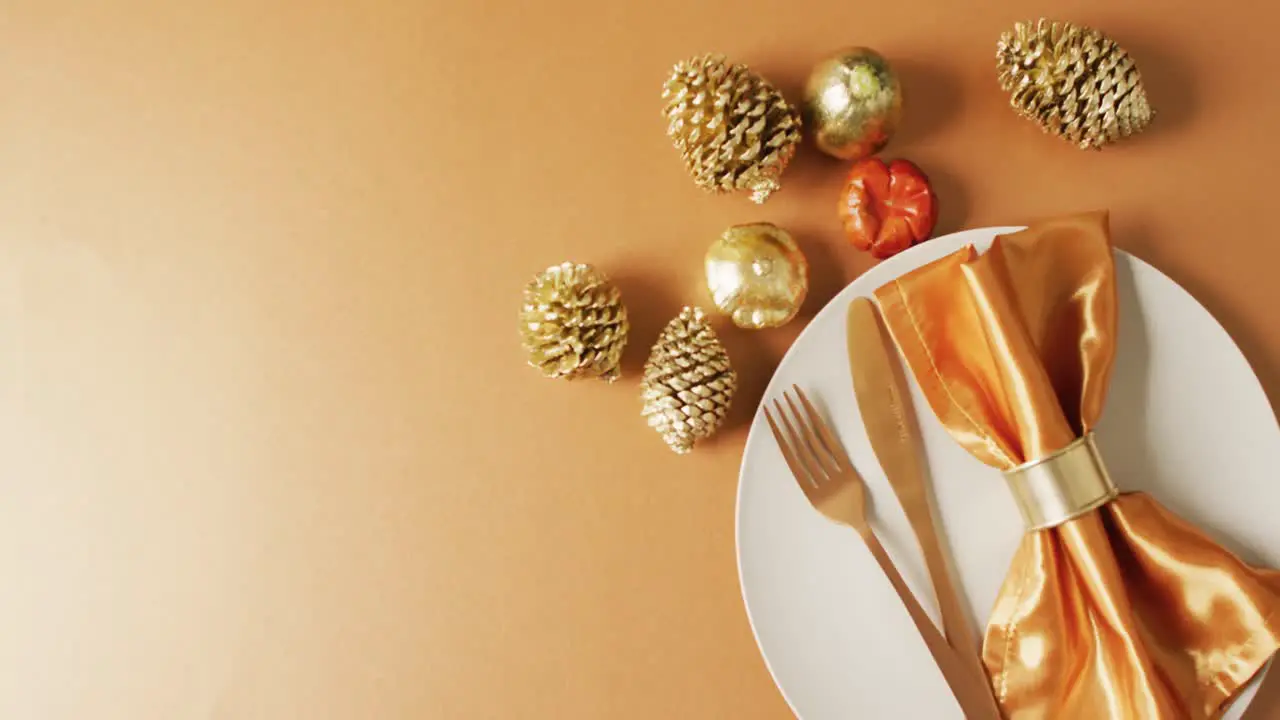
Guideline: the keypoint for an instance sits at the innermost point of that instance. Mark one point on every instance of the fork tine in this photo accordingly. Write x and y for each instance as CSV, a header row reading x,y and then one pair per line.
x,y
805,482
820,453
828,438
816,472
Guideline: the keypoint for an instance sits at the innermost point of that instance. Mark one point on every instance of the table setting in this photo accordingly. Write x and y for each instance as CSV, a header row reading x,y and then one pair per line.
x,y
1057,463
1105,603
639,361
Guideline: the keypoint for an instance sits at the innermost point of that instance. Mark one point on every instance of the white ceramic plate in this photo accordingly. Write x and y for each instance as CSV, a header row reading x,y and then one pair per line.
x,y
1186,420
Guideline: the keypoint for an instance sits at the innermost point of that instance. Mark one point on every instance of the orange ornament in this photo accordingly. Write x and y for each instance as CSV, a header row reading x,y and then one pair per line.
x,y
887,208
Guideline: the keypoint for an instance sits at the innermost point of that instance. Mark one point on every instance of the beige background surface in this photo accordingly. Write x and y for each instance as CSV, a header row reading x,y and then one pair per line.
x,y
267,446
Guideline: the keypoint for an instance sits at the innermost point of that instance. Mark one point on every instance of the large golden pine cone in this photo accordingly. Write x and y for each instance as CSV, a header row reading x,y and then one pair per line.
x,y
573,323
1074,81
688,382
733,129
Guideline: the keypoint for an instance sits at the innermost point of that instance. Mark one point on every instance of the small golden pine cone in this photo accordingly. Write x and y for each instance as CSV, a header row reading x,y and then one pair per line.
x,y
573,323
688,382
733,129
1074,81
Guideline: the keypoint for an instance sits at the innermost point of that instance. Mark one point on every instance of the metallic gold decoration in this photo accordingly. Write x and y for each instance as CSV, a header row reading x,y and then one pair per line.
x,y
1073,81
688,382
1061,486
853,102
733,129
573,323
757,275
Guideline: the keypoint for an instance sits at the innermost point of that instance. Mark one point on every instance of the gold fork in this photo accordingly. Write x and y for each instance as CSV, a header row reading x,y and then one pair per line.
x,y
834,488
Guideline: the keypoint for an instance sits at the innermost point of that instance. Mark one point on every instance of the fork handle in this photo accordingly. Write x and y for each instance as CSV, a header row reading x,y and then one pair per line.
x,y
969,691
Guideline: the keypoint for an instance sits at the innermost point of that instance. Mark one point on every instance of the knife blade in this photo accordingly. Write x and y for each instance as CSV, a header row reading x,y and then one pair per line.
x,y
881,391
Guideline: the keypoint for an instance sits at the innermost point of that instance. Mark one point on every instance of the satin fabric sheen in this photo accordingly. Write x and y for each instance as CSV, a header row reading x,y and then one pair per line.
x,y
1125,612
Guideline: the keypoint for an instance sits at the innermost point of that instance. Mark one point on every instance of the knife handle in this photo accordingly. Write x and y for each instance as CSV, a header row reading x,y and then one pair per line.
x,y
955,620
968,689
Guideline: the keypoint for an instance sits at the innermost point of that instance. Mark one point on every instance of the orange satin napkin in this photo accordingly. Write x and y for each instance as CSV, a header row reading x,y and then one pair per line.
x,y
1127,611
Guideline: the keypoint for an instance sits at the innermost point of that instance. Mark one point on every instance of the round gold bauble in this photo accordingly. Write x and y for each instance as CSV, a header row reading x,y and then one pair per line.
x,y
853,103
757,275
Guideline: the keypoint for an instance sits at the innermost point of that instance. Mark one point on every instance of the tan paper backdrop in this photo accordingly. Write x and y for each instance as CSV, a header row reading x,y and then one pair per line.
x,y
267,446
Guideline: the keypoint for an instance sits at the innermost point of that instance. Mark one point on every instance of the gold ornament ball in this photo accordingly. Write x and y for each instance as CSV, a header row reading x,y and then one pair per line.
x,y
757,275
853,102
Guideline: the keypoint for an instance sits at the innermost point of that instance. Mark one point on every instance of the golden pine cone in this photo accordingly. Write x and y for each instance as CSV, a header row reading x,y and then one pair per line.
x,y
688,382
573,323
733,129
1074,81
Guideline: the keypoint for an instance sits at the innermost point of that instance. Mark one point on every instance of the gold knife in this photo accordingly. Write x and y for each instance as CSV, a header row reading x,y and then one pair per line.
x,y
880,387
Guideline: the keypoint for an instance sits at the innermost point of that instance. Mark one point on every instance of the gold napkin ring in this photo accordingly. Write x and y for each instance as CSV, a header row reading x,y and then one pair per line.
x,y
1061,486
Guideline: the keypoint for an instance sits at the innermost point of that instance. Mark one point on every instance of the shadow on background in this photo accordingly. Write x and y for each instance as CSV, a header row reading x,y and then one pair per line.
x,y
932,99
828,270
651,304
953,199
755,360
1169,78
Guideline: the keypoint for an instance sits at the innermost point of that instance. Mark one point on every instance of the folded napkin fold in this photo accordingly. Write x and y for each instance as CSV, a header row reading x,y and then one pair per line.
x,y
1124,611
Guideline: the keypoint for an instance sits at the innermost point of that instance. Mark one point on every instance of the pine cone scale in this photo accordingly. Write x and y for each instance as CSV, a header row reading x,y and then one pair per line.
x,y
573,323
1073,81
688,382
720,130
